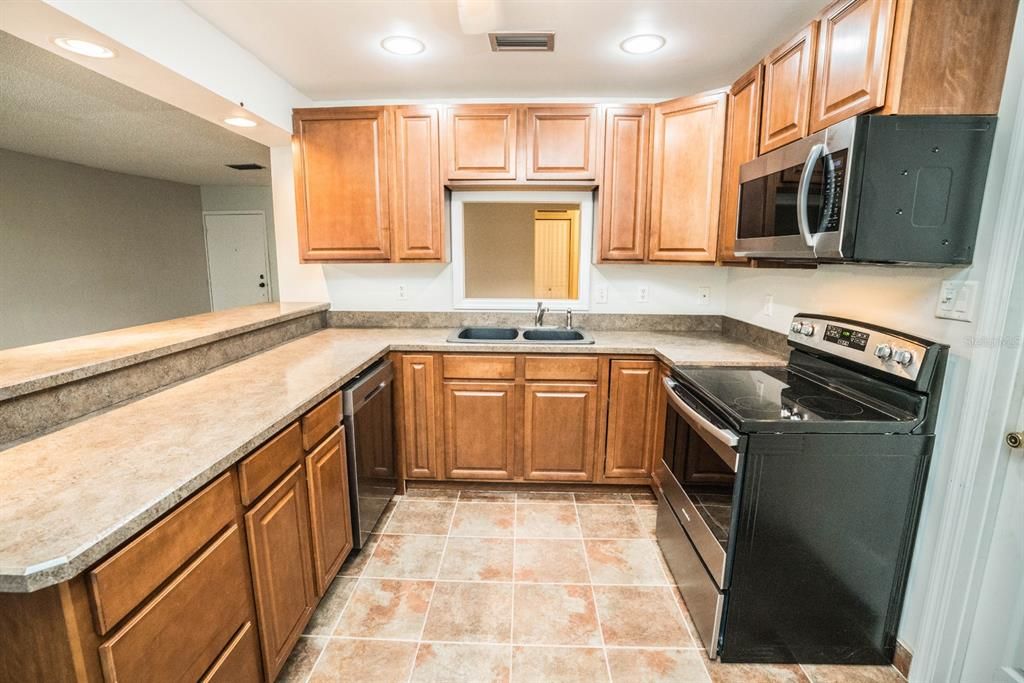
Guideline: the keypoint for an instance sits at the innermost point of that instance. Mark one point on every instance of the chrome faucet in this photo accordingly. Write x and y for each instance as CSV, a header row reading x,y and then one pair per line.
x,y
568,318
538,319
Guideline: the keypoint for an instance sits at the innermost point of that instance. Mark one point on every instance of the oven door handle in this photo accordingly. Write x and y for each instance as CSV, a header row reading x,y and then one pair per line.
x,y
803,192
724,436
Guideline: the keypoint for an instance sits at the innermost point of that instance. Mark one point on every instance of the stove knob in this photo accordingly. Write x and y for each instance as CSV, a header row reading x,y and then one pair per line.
x,y
796,326
903,357
883,351
807,330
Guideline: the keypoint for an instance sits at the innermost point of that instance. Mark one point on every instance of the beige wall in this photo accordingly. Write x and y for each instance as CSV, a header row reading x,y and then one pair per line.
x,y
84,250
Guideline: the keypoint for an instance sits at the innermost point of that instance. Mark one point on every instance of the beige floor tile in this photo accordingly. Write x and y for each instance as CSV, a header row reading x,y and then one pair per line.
x,y
648,518
327,612
756,673
421,517
558,665
495,520
610,521
380,661
550,561
386,608
657,666
625,562
603,498
477,559
470,612
547,520
642,616
544,497
555,615
462,663
470,495
356,561
406,557
382,521
645,498
300,662
837,673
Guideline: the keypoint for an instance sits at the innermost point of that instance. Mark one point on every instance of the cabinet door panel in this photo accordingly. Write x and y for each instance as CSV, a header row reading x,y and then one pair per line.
x,y
623,191
418,226
341,186
561,143
479,430
854,39
558,438
689,135
330,514
787,90
481,142
631,418
744,118
418,421
279,552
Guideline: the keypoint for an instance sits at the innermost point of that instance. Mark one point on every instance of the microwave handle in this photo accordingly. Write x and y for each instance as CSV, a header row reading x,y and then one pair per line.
x,y
817,151
726,436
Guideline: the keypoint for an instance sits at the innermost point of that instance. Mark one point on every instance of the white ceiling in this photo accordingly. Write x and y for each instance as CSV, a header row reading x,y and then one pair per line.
x,y
330,50
54,108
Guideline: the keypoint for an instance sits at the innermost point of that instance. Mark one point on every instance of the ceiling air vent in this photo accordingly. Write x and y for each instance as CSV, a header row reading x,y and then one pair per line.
x,y
522,41
246,167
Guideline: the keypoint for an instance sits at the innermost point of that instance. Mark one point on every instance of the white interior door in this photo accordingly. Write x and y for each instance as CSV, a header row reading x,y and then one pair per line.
x,y
236,253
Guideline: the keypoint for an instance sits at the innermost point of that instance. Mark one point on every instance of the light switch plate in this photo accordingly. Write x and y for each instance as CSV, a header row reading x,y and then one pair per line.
x,y
768,307
957,300
601,295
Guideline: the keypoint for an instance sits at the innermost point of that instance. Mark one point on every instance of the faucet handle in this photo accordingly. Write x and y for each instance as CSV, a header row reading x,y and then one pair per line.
x,y
568,318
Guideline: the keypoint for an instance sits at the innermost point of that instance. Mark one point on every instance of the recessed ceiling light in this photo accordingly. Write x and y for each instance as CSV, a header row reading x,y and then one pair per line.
x,y
643,44
240,121
84,47
403,45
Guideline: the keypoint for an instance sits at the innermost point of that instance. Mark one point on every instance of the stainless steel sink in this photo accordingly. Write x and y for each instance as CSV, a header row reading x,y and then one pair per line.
x,y
512,335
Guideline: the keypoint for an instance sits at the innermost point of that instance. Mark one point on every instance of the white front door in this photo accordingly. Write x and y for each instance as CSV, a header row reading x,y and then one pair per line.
x,y
236,253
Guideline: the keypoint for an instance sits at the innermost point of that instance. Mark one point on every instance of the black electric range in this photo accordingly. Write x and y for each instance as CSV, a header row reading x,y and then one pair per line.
x,y
789,496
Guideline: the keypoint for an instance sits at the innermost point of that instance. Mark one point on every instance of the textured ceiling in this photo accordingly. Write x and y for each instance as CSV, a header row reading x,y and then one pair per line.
x,y
330,50
54,108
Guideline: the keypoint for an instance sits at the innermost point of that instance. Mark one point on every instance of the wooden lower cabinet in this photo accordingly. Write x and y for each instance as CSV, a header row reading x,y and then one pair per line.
x,y
279,553
479,430
417,404
330,516
632,412
559,432
240,661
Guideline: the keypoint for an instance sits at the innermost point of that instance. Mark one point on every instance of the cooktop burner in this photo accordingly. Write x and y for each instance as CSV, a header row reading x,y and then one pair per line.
x,y
753,405
830,406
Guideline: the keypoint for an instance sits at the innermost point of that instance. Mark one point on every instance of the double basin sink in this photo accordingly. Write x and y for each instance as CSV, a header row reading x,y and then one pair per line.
x,y
515,335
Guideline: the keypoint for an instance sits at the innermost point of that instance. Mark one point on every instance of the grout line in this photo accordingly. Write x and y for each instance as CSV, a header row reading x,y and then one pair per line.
x,y
654,648
512,619
593,594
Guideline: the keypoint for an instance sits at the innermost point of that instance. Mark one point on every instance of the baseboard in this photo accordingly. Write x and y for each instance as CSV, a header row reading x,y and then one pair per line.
x,y
901,659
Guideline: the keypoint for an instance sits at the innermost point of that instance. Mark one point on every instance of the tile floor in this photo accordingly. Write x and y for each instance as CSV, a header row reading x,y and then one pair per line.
x,y
475,586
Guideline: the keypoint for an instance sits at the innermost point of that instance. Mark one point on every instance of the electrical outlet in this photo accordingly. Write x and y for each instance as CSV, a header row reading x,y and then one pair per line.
x,y
768,307
957,300
643,294
601,295
703,296
403,294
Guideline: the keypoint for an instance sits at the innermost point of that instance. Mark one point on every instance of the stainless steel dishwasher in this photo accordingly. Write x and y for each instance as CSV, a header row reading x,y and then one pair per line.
x,y
372,464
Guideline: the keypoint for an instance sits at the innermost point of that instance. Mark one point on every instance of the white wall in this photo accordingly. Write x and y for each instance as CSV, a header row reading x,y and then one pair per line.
x,y
247,198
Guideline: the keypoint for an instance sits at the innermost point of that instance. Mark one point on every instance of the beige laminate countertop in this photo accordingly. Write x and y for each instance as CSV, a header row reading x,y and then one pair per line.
x,y
72,496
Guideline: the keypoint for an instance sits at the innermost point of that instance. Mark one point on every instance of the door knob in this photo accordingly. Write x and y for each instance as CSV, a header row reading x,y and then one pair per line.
x,y
1015,439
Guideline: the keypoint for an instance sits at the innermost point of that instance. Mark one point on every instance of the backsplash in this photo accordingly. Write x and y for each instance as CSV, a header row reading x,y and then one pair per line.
x,y
587,321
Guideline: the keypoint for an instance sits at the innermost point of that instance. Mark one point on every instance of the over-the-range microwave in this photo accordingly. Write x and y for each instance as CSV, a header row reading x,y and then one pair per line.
x,y
871,189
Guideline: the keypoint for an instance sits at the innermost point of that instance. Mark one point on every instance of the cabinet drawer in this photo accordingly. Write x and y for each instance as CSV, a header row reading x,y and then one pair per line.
x,y
582,368
265,466
124,580
240,660
479,367
181,632
321,421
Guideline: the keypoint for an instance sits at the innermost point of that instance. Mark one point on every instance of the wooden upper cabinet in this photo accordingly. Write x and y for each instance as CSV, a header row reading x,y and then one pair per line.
x,y
479,430
787,90
623,192
341,184
632,415
480,142
418,192
561,143
330,516
686,178
559,431
742,128
418,401
854,39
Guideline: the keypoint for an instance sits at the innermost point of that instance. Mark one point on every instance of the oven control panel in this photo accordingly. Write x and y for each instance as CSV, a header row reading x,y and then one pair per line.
x,y
864,344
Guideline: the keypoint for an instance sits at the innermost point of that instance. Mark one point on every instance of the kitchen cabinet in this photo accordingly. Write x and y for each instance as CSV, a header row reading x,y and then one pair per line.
x,y
417,405
418,192
330,515
481,142
741,134
479,429
278,529
787,90
686,178
341,184
622,196
632,412
559,431
561,142
854,38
